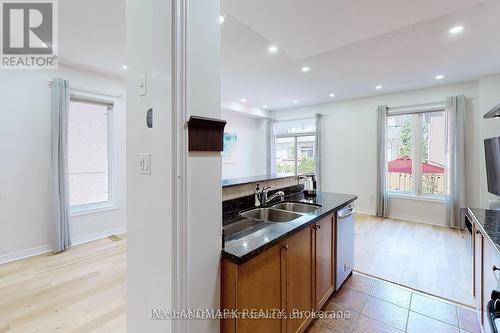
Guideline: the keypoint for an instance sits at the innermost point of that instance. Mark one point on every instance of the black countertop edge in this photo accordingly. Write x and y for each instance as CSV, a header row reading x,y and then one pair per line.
x,y
253,179
488,221
239,260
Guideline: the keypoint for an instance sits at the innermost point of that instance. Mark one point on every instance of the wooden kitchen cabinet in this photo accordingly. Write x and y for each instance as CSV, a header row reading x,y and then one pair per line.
x,y
254,285
299,278
295,274
324,259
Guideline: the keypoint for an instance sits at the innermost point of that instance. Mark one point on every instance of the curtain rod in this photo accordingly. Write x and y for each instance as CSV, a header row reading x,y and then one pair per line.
x,y
417,106
92,91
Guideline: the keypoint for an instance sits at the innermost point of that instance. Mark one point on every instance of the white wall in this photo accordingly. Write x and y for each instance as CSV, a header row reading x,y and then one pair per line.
x,y
149,248
349,148
252,145
25,190
489,92
151,228
204,198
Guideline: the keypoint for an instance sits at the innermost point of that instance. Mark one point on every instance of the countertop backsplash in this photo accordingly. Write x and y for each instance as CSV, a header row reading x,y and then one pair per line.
x,y
239,191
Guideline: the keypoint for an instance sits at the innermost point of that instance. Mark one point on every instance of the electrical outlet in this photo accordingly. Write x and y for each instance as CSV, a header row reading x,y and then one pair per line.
x,y
145,163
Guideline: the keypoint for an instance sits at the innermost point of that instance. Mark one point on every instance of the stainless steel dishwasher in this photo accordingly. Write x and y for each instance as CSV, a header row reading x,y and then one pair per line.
x,y
344,244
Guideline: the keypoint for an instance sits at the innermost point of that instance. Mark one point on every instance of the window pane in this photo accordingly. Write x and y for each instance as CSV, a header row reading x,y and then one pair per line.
x,y
306,125
87,153
399,153
306,153
285,155
433,153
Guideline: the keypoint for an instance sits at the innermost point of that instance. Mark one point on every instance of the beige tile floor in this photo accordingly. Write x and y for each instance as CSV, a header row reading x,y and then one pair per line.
x,y
376,306
432,259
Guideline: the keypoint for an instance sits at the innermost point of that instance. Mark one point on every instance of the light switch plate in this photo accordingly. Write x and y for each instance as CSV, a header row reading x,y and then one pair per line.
x,y
141,84
145,163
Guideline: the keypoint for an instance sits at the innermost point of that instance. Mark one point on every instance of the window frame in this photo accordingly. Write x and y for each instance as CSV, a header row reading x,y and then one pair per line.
x,y
295,136
417,125
112,203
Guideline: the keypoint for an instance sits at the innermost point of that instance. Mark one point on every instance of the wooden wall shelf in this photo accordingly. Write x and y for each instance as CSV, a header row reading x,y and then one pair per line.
x,y
206,134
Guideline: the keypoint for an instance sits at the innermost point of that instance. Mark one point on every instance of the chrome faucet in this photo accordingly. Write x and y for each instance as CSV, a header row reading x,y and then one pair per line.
x,y
263,195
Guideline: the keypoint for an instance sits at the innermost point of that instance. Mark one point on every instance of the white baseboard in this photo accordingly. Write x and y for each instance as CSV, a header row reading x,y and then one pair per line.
x,y
18,255
23,254
364,212
418,219
98,235
410,218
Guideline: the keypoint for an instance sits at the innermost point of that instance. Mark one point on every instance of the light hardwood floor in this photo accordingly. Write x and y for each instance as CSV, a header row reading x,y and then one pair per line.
x,y
432,259
81,290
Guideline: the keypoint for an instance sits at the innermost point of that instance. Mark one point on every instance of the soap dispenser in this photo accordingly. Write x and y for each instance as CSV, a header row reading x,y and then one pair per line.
x,y
257,193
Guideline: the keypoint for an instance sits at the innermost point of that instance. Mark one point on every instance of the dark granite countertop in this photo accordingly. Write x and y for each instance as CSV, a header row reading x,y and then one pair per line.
x,y
488,222
254,237
253,179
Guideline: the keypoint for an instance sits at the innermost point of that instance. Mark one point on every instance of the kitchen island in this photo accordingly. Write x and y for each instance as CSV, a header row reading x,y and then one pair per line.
x,y
276,275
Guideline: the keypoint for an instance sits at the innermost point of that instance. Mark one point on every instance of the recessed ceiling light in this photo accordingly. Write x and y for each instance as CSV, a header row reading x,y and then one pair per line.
x,y
439,77
305,69
378,87
295,101
243,100
124,66
264,106
456,30
222,18
332,95
273,49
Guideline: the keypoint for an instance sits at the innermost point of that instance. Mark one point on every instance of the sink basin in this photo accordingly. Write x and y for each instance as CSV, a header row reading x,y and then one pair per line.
x,y
271,215
297,207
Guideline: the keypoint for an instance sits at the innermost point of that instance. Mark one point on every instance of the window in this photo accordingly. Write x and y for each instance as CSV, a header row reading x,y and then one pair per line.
x,y
89,155
416,154
295,146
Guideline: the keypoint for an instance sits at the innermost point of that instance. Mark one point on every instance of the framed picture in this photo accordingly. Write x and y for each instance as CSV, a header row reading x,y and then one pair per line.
x,y
229,154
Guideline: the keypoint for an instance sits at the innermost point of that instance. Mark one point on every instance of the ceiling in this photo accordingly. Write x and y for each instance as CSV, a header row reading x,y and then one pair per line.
x,y
351,46
92,35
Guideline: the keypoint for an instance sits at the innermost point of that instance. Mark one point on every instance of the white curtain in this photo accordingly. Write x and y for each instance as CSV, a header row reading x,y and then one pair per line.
x,y
60,107
381,196
455,199
317,149
271,158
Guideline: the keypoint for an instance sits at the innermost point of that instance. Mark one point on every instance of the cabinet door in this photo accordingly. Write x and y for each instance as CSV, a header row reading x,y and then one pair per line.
x,y
478,269
299,276
324,261
491,259
260,288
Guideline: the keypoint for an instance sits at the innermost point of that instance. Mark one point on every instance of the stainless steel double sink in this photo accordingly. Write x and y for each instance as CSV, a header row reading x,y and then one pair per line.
x,y
280,212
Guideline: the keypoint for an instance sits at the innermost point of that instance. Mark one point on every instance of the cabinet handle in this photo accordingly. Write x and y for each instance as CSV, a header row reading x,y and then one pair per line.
x,y
319,227
495,268
314,227
285,247
478,232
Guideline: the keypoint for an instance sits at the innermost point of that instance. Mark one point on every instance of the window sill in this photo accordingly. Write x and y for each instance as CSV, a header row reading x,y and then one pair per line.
x,y
93,209
417,197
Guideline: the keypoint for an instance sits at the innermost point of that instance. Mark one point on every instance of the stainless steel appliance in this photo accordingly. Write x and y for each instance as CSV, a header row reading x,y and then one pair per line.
x,y
344,244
